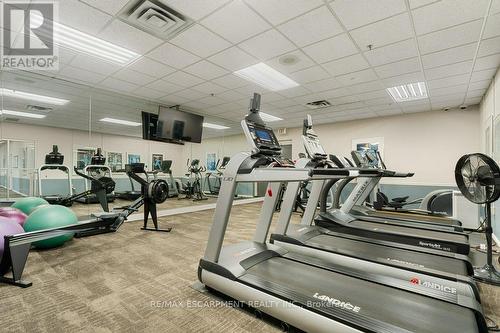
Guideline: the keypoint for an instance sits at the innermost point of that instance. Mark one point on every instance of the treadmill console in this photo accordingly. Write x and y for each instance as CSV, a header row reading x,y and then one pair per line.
x,y
262,139
311,141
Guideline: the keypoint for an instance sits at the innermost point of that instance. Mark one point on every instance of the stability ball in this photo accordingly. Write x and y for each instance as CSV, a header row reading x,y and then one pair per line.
x,y
13,214
48,217
36,207
28,203
8,228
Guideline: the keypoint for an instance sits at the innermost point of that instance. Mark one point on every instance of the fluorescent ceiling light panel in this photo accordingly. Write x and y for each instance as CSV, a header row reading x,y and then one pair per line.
x,y
268,117
120,122
32,97
215,126
408,92
82,42
267,77
22,114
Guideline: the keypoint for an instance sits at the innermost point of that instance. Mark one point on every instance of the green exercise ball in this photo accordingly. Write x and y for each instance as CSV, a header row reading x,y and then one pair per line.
x,y
37,207
27,204
48,217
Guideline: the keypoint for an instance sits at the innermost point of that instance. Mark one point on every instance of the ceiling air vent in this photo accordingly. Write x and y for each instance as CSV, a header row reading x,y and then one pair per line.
x,y
38,108
318,104
12,120
156,18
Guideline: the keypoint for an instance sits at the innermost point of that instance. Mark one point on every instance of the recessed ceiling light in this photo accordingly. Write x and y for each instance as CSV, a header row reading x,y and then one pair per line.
x,y
120,122
408,92
33,97
268,117
267,77
22,114
82,42
215,126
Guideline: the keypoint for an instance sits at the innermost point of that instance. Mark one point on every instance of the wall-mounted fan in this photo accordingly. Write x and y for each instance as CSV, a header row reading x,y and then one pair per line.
x,y
478,178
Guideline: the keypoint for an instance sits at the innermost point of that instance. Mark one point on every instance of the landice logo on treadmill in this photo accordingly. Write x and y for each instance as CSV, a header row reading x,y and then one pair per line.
x,y
337,303
433,285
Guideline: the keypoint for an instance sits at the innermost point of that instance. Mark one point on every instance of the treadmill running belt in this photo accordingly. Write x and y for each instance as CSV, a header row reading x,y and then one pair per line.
x,y
365,305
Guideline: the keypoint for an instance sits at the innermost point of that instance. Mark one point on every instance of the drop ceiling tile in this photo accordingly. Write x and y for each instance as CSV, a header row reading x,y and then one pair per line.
x,y
385,101
489,46
164,86
345,65
330,49
196,105
311,27
109,6
195,9
366,87
278,11
294,92
148,93
206,70
488,62
390,112
235,22
79,16
430,18
473,100
335,93
448,100
65,55
403,79
392,53
451,37
151,67
323,85
447,91
173,100
450,56
449,70
191,94
80,75
200,41
284,103
310,74
183,79
357,77
495,7
267,45
211,100
384,32
209,88
357,13
173,56
249,91
233,59
483,75
419,3
302,61
476,93
120,85
448,81
230,81
131,38
134,77
397,68
95,65
492,27
484,84
230,95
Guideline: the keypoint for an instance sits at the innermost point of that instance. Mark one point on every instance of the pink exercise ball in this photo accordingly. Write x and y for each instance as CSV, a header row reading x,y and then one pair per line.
x,y
13,214
8,228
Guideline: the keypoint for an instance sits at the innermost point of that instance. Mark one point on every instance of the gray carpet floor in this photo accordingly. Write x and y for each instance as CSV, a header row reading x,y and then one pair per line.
x,y
136,281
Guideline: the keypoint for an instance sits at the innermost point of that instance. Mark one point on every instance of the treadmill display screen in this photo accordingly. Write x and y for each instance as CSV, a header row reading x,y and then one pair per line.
x,y
263,135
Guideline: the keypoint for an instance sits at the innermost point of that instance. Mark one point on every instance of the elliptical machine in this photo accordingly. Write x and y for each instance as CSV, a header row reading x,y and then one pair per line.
x,y
214,186
96,170
193,188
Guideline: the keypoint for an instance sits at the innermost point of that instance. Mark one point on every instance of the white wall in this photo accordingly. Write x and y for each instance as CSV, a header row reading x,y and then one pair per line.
x,y
69,140
490,143
428,143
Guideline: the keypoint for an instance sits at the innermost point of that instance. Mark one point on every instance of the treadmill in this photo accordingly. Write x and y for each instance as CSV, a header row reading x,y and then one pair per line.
x,y
417,217
407,233
447,278
297,289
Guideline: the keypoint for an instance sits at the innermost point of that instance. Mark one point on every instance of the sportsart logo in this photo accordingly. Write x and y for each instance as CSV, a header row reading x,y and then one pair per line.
x,y
433,285
337,303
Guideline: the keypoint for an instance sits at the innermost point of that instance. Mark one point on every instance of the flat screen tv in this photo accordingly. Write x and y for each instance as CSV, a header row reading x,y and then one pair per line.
x,y
179,126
